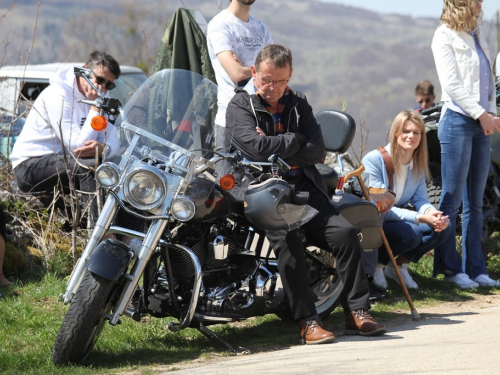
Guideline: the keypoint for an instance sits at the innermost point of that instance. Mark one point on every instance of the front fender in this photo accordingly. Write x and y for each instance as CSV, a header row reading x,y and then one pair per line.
x,y
110,259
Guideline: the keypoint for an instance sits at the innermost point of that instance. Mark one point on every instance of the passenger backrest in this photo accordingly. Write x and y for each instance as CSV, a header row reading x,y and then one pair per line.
x,y
338,129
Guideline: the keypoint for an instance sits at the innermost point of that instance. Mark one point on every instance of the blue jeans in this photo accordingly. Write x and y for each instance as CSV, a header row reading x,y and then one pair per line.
x,y
411,240
465,162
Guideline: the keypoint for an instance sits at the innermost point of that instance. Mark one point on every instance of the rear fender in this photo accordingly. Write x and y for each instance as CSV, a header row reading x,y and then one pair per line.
x,y
110,259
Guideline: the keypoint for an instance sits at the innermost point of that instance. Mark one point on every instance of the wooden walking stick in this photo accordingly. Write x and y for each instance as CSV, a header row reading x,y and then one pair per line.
x,y
357,174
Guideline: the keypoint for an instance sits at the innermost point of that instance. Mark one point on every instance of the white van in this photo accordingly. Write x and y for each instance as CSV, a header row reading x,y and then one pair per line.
x,y
20,84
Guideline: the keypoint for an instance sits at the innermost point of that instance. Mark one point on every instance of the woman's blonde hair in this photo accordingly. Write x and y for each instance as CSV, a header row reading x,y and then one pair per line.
x,y
460,15
419,154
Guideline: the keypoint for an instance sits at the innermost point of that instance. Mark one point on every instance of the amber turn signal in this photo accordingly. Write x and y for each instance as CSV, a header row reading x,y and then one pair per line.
x,y
227,182
99,123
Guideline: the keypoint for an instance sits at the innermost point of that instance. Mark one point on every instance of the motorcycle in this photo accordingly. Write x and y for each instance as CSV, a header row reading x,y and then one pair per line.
x,y
200,261
491,198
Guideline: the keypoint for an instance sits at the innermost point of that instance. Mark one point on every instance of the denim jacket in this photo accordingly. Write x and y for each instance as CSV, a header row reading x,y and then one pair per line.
x,y
415,191
457,64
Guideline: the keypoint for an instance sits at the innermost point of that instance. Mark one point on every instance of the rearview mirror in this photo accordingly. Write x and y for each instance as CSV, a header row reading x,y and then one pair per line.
x,y
80,71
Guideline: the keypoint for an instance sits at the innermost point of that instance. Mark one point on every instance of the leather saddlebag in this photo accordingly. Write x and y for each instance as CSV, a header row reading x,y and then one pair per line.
x,y
363,215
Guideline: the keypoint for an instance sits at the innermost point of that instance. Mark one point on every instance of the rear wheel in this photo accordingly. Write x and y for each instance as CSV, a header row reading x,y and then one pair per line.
x,y
325,283
84,320
328,285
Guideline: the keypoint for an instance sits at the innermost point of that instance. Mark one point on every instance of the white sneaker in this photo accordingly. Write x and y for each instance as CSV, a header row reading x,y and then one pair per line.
x,y
390,272
485,280
462,280
379,277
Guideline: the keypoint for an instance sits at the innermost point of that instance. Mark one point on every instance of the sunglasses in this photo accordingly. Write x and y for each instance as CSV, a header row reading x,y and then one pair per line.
x,y
426,100
101,81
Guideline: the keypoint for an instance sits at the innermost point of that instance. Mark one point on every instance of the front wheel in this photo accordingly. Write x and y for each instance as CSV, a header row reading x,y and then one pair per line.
x,y
84,320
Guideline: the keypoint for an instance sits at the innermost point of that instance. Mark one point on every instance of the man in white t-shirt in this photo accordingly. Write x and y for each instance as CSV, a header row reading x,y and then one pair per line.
x,y
234,39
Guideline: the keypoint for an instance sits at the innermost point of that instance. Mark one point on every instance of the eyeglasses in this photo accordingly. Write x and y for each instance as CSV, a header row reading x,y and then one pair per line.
x,y
101,81
269,82
426,100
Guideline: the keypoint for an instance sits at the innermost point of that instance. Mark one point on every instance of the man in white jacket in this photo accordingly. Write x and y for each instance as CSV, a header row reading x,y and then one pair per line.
x,y
58,124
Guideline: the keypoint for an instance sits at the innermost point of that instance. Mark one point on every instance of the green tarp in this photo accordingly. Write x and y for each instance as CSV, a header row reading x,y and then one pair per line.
x,y
184,46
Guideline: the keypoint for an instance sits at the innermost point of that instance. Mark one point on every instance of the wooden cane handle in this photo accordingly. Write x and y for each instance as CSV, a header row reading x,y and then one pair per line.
x,y
375,190
356,173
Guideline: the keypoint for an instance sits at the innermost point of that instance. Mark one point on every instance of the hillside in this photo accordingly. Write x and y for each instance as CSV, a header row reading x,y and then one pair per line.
x,y
370,61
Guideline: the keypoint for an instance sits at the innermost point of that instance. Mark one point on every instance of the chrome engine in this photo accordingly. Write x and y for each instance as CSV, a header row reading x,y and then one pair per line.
x,y
255,295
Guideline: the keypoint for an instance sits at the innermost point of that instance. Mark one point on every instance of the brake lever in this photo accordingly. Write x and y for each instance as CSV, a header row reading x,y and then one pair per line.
x,y
96,103
279,162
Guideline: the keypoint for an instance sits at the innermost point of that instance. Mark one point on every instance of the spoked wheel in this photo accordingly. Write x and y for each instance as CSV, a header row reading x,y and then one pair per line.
x,y
84,320
328,287
325,283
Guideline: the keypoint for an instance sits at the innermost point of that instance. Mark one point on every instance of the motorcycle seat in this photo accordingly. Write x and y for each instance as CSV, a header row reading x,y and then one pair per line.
x,y
330,176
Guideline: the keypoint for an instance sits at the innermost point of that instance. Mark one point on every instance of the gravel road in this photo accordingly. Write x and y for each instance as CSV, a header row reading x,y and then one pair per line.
x,y
453,338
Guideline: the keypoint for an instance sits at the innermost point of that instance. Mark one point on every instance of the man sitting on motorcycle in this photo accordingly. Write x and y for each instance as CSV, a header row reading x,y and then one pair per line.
x,y
278,120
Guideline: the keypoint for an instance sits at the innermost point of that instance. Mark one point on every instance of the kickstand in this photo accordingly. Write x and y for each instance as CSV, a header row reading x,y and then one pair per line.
x,y
212,335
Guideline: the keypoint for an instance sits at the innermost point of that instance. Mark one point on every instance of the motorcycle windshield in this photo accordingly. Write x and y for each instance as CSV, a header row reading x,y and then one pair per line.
x,y
168,122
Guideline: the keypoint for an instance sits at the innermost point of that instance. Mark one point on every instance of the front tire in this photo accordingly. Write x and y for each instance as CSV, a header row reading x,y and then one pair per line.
x,y
84,320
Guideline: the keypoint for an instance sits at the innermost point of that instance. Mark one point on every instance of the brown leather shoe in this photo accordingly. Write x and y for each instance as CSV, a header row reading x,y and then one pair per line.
x,y
312,331
360,322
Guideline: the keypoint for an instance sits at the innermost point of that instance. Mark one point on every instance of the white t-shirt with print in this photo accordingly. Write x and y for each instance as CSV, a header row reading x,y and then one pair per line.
x,y
226,32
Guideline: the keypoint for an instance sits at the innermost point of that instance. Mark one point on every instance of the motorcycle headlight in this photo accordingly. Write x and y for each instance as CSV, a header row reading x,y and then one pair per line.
x,y
183,208
107,175
145,188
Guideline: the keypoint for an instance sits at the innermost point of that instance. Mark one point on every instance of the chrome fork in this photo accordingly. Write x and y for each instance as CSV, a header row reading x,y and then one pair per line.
x,y
102,224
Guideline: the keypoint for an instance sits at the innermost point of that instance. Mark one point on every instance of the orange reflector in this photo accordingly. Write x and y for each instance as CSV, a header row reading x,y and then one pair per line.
x,y
99,123
227,182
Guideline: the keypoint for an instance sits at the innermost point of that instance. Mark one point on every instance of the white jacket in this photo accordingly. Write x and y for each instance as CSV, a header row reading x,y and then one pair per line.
x,y
54,110
457,64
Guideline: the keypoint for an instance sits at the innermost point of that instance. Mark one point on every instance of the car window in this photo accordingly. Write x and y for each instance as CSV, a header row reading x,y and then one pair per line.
x,y
126,86
29,93
10,128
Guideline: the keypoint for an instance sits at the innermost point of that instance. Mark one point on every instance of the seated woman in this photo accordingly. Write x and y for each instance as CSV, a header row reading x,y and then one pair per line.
x,y
412,226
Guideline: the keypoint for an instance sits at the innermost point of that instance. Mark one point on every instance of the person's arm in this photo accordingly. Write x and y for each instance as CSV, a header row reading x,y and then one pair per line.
x,y
241,130
220,39
313,150
233,67
448,73
60,114
375,167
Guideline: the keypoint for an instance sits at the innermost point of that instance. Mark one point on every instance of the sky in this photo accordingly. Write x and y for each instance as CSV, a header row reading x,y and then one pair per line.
x,y
420,8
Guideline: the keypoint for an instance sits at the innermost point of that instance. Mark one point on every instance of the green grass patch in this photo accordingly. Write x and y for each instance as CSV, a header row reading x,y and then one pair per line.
x,y
31,314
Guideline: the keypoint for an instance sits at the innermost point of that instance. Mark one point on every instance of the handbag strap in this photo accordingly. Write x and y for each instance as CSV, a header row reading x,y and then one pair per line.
x,y
388,165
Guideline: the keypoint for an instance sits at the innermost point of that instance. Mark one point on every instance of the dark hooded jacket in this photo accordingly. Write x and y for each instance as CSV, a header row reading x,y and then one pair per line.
x,y
302,145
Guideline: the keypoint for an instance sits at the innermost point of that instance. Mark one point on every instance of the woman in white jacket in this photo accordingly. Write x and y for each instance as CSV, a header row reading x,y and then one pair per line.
x,y
468,119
